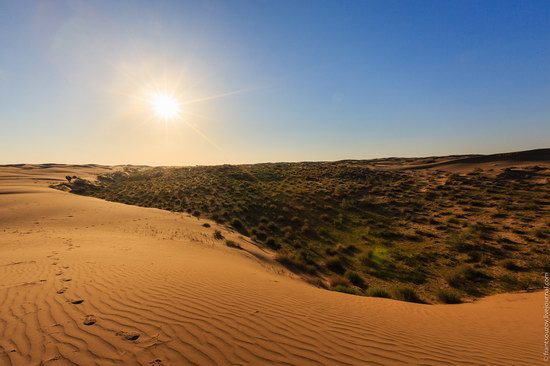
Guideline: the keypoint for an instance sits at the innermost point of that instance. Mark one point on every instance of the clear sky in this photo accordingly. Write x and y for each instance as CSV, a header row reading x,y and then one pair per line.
x,y
272,80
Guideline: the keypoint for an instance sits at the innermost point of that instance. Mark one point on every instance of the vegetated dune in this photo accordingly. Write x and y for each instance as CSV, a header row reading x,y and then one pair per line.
x,y
89,282
417,235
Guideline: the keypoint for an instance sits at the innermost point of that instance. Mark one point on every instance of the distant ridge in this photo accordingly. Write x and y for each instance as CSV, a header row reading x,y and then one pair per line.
x,y
529,155
541,155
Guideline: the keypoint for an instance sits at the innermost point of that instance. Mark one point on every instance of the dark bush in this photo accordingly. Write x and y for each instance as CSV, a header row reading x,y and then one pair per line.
x,y
232,244
335,264
468,279
239,226
336,280
378,292
347,290
448,297
294,263
407,294
356,279
270,242
512,266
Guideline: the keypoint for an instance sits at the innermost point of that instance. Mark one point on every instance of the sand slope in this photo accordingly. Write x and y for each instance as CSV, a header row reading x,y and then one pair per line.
x,y
89,282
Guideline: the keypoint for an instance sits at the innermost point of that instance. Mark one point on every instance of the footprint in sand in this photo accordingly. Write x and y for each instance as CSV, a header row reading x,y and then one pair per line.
x,y
157,362
89,320
61,290
129,336
76,302
59,273
66,280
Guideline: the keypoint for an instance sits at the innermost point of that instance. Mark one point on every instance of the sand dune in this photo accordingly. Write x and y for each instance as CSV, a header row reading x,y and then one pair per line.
x,y
496,162
89,282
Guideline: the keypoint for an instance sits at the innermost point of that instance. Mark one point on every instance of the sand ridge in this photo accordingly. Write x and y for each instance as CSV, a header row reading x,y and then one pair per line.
x,y
89,282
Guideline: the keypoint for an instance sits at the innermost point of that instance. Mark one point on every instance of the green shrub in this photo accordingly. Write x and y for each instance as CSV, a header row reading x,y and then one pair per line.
x,y
512,283
374,258
356,279
260,235
270,242
336,280
335,264
350,249
511,266
347,290
468,279
407,294
378,292
271,226
294,263
330,251
448,297
541,233
474,256
239,226
325,217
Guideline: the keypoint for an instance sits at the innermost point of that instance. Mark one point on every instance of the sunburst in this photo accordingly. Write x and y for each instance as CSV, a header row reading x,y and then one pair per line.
x,y
165,106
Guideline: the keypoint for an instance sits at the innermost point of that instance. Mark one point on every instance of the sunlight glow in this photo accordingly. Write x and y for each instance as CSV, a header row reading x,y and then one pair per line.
x,y
165,106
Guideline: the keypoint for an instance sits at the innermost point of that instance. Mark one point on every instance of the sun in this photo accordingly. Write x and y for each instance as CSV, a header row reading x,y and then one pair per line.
x,y
165,106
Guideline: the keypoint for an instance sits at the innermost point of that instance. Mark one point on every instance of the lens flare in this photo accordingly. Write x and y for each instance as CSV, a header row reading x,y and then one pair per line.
x,y
165,106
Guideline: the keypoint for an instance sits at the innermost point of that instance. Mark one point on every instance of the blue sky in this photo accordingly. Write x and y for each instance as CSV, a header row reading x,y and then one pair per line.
x,y
271,80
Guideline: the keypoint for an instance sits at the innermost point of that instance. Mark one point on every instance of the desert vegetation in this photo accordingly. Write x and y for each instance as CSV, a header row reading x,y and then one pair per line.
x,y
366,227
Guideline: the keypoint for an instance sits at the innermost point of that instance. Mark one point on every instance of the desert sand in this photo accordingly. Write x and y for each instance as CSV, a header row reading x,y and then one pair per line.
x,y
89,282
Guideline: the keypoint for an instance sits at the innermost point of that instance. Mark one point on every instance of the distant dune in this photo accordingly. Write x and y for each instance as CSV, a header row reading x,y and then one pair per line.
x,y
89,282
530,156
